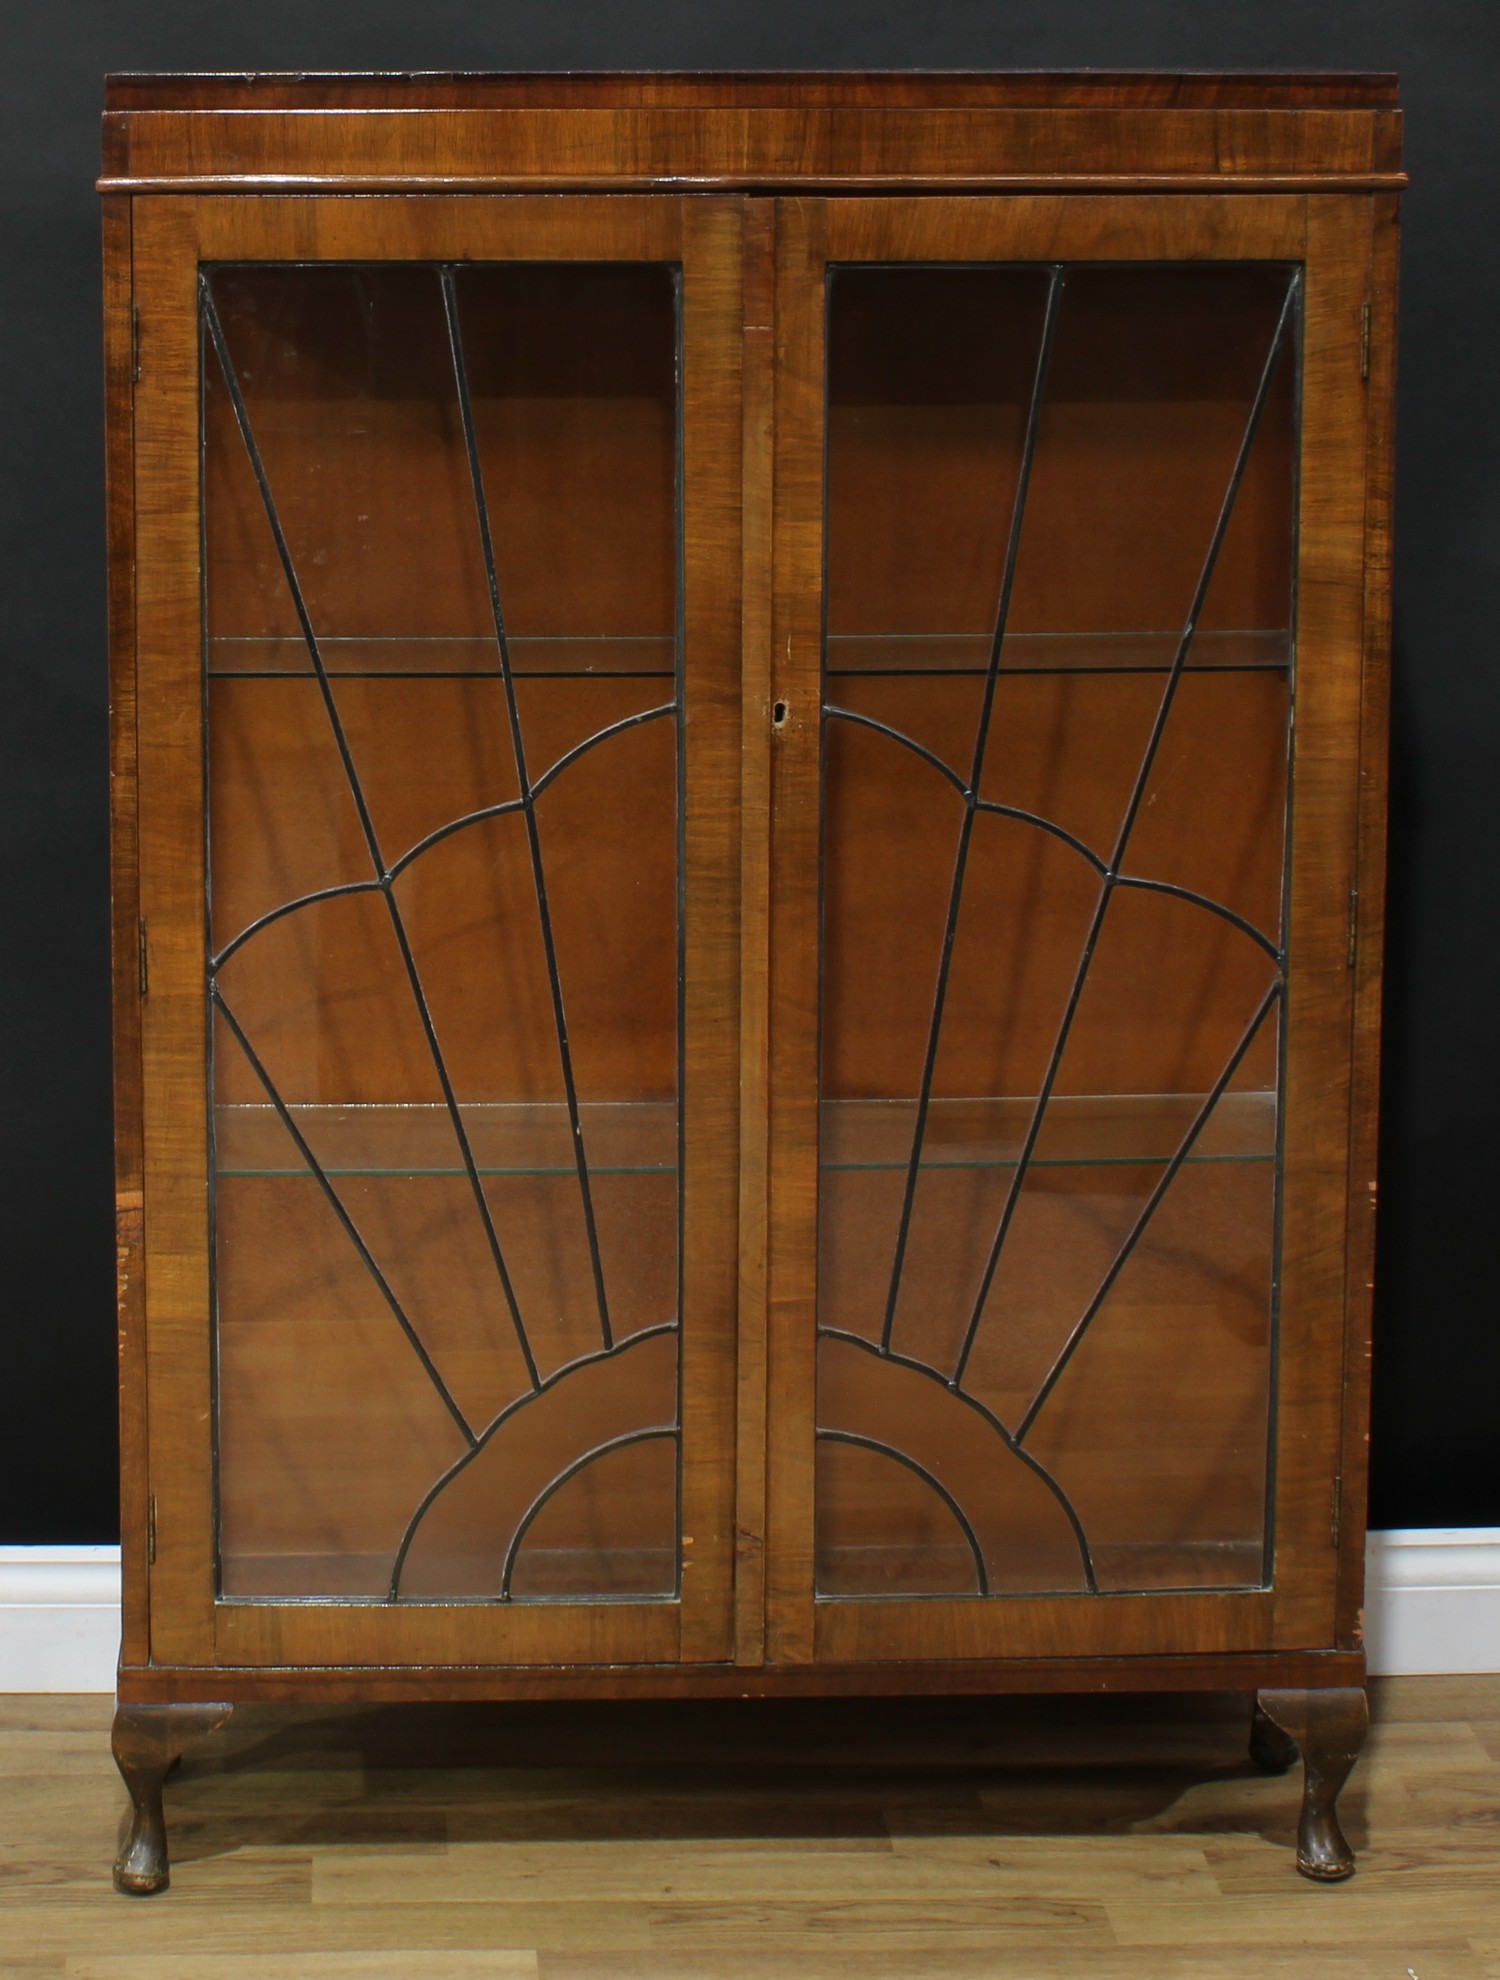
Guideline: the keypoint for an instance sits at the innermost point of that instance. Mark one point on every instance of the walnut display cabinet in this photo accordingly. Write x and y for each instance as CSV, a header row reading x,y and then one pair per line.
x,y
749,725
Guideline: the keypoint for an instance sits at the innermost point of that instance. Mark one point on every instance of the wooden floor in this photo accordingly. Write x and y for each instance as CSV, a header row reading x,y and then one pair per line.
x,y
1035,1840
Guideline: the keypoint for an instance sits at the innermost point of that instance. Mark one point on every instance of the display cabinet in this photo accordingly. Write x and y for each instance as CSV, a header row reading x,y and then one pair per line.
x,y
748,792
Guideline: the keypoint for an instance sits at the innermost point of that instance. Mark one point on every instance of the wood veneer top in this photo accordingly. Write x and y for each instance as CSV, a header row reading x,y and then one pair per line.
x,y
753,89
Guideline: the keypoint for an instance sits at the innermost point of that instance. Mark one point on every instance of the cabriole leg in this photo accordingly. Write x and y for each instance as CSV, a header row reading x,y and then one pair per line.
x,y
1330,1728
148,1742
1270,1747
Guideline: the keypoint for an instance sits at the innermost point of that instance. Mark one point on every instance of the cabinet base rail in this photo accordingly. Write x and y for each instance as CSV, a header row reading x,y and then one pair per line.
x,y
390,1684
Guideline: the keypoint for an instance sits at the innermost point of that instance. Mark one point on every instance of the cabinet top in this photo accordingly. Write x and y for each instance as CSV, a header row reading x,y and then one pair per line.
x,y
446,89
752,132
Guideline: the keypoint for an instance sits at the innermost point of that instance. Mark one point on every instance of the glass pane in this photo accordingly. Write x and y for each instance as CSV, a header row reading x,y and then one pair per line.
x,y
1058,684
441,552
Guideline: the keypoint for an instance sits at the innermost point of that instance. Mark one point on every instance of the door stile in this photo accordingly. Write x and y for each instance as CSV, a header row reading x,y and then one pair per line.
x,y
1331,638
189,1626
711,413
173,944
757,582
795,907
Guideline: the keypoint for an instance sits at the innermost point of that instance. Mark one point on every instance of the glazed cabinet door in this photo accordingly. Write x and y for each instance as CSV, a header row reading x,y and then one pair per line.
x,y
1070,510
438,591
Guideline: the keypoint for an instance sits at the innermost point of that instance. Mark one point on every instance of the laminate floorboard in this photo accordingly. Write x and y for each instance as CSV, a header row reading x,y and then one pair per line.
x,y
1042,1839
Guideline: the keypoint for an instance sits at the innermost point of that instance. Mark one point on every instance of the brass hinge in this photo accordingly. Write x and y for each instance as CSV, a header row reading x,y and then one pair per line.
x,y
142,962
1335,1513
1364,341
135,344
1353,922
151,1530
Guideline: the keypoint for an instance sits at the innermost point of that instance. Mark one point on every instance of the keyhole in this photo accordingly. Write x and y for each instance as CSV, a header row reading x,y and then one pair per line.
x,y
778,715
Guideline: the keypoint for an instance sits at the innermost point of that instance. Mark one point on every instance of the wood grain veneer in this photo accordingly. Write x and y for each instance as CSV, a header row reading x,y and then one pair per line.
x,y
749,189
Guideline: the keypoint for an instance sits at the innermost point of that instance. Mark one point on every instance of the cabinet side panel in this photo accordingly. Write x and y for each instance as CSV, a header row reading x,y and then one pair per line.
x,y
170,751
1380,363
119,465
1329,630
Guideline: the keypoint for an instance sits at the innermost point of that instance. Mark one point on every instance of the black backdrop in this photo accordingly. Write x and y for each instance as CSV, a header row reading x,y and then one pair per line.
x,y
1437,1432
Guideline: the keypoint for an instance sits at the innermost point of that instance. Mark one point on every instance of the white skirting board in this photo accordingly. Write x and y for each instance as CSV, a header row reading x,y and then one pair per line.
x,y
1433,1606
59,1618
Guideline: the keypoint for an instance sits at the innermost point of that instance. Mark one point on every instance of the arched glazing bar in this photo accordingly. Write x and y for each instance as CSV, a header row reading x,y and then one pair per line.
x,y
936,1485
565,1477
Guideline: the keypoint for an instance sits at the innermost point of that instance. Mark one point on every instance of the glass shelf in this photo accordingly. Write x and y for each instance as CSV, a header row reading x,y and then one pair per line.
x,y
640,1137
621,1138
1138,652
652,656
1080,1130
430,656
